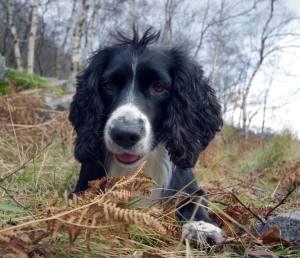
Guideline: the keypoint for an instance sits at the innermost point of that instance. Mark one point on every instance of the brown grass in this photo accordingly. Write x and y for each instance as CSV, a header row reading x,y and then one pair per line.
x,y
26,127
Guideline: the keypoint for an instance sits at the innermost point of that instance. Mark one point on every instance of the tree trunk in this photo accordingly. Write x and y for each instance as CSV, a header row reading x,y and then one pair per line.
x,y
217,48
170,6
77,38
262,55
92,35
66,36
32,36
262,133
13,31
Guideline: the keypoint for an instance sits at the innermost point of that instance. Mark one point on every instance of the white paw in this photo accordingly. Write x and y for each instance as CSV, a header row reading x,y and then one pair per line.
x,y
202,232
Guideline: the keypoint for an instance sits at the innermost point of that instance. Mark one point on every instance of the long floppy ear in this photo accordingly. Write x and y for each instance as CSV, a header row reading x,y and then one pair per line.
x,y
194,114
86,110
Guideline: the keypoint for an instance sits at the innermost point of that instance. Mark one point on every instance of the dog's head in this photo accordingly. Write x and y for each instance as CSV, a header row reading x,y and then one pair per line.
x,y
131,96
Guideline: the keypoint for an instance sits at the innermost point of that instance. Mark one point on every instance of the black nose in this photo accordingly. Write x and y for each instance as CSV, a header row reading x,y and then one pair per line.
x,y
125,136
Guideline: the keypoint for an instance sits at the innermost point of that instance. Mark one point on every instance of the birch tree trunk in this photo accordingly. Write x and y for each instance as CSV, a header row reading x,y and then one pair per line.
x,y
92,34
78,32
32,36
217,48
262,55
262,132
59,60
13,31
170,7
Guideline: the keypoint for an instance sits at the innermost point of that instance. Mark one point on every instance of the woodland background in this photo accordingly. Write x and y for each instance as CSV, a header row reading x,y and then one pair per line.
x,y
245,47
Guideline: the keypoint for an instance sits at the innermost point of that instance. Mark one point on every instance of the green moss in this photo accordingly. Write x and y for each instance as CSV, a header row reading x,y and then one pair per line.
x,y
16,81
3,88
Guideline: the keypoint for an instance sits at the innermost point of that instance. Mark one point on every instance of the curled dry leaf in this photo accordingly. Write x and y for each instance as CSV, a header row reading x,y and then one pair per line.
x,y
272,237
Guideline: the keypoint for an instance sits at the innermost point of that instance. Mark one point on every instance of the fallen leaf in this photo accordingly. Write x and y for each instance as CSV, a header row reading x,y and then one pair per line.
x,y
272,237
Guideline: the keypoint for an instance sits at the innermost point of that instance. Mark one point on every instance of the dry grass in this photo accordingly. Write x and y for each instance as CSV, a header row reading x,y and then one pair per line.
x,y
25,128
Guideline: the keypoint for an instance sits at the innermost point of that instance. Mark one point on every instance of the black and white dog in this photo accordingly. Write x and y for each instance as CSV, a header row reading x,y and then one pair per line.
x,y
135,102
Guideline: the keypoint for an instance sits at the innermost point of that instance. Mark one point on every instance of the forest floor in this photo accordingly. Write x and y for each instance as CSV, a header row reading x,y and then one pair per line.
x,y
245,180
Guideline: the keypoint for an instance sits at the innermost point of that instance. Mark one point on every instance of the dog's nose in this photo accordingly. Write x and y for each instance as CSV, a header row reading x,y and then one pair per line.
x,y
126,136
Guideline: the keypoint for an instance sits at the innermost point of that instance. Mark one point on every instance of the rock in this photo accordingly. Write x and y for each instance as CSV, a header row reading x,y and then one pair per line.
x,y
65,85
56,102
69,86
2,68
289,224
252,253
59,99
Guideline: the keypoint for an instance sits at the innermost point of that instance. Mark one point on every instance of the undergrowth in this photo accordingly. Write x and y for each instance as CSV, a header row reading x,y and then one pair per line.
x,y
16,81
258,174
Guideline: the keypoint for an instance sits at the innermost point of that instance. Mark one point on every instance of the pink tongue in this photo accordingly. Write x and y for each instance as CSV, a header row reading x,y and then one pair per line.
x,y
127,158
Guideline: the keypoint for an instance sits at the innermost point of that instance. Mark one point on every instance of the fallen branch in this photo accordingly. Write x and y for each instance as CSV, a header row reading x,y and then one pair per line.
x,y
22,166
247,208
8,191
282,201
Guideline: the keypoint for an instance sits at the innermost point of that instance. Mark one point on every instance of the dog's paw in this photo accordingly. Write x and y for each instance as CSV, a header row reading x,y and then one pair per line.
x,y
202,233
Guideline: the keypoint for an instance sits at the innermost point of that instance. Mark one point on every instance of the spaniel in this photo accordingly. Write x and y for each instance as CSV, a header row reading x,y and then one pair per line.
x,y
135,102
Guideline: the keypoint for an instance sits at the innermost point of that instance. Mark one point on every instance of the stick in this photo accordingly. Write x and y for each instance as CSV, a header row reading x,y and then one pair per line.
x,y
282,201
22,166
247,208
8,191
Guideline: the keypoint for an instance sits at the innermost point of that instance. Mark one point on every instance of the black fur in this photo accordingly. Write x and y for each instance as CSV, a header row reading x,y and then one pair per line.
x,y
185,117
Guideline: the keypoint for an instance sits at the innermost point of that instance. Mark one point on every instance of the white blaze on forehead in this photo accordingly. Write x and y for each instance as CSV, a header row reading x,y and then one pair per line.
x,y
130,112
134,64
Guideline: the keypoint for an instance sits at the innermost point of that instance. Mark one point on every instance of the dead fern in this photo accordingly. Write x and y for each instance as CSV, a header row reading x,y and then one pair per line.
x,y
288,174
106,208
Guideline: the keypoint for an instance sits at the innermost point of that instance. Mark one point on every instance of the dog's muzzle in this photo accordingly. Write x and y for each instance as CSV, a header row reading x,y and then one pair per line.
x,y
127,134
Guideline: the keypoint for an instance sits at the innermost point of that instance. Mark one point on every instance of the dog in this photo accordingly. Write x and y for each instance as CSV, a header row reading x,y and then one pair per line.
x,y
135,102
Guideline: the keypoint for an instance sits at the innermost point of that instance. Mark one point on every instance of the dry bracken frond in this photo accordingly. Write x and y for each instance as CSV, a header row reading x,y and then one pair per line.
x,y
19,241
106,207
288,174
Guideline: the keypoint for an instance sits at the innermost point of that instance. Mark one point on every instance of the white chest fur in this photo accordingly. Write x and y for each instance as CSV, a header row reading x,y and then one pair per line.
x,y
158,167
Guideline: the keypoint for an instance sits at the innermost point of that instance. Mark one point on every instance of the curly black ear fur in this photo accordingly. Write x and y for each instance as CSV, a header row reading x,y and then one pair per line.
x,y
86,110
194,114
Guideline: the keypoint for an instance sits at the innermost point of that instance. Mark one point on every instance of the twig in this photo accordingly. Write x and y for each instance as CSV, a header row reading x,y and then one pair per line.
x,y
282,201
22,166
220,202
8,191
247,208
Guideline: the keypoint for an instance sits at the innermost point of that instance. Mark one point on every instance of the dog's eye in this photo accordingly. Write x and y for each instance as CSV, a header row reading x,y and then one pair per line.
x,y
158,88
109,86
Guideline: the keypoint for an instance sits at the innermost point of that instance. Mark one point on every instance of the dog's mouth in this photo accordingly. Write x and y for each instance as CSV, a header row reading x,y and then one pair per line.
x,y
127,158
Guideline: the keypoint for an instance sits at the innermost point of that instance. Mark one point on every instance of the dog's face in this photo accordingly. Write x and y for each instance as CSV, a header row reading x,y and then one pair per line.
x,y
135,90
131,97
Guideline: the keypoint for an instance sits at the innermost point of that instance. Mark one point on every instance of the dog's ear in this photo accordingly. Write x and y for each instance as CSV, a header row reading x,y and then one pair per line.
x,y
194,114
86,109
